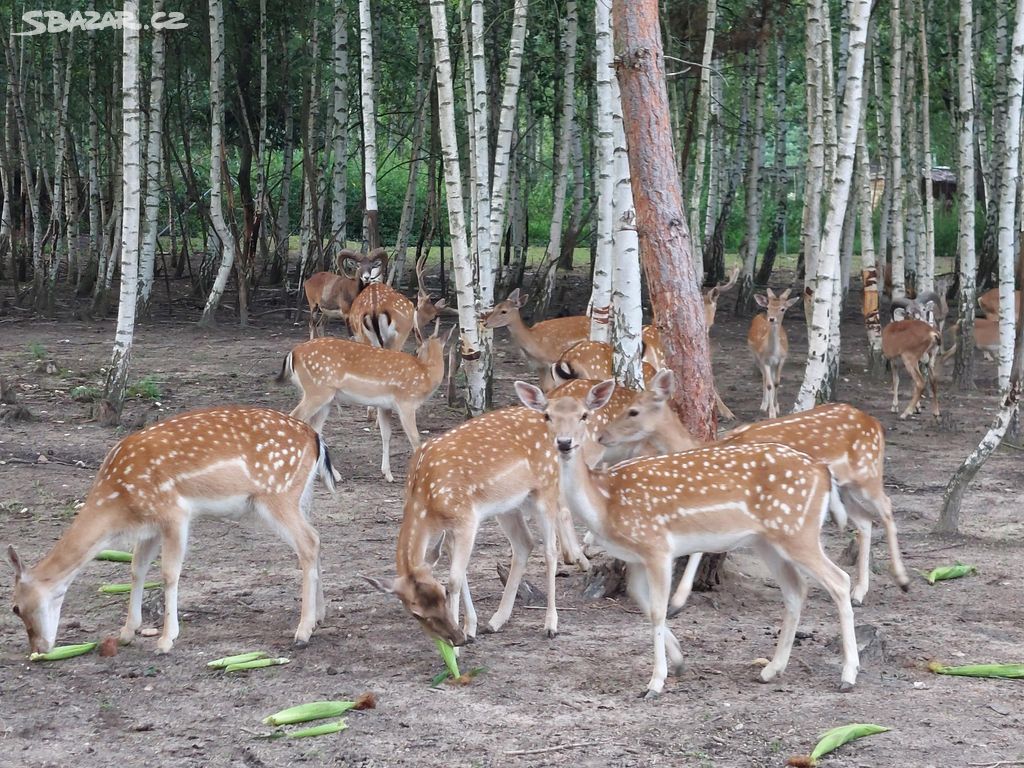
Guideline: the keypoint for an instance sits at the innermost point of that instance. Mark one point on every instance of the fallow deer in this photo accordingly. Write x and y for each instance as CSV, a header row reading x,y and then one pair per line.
x,y
989,303
224,462
649,511
768,341
589,360
915,342
711,297
329,371
850,442
986,338
331,296
383,317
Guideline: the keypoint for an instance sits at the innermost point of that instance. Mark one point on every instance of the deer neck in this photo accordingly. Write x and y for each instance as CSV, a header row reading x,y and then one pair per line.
x,y
584,490
527,339
671,435
773,341
413,536
89,533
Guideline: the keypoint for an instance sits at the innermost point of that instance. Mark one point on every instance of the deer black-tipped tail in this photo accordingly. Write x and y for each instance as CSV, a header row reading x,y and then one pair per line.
x,y
286,370
324,467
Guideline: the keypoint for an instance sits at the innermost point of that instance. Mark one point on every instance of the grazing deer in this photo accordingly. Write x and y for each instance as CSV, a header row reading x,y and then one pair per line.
x,y
768,341
383,317
331,296
496,465
650,511
331,371
225,462
916,343
989,303
850,442
591,360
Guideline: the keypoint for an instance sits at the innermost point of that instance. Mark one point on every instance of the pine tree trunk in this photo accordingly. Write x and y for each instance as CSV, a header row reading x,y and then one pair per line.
x,y
468,318
369,122
964,364
745,288
217,157
131,147
153,154
822,356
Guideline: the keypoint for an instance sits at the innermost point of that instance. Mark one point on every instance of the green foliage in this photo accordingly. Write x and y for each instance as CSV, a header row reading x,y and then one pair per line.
x,y
86,393
37,350
145,388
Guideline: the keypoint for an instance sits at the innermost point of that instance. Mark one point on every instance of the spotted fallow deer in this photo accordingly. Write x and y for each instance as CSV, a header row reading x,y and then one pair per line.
x,y
499,465
331,296
544,342
768,341
383,317
331,371
989,303
916,343
590,360
223,462
649,511
850,442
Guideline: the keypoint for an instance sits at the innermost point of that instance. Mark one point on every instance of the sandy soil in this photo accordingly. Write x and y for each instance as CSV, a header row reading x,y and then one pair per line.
x,y
577,692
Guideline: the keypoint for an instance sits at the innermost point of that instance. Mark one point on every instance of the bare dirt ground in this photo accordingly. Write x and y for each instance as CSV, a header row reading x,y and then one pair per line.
x,y
240,591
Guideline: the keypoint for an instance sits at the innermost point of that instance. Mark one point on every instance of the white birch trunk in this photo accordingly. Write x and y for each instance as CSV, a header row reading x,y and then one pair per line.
x,y
604,170
701,139
964,366
564,149
369,120
154,152
896,154
821,370
627,311
506,123
227,241
131,149
481,182
926,272
339,174
868,259
476,379
1008,200
815,168
716,154
752,201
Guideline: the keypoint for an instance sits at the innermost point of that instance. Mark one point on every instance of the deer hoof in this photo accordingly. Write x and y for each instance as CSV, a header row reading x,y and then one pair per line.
x,y
650,695
845,687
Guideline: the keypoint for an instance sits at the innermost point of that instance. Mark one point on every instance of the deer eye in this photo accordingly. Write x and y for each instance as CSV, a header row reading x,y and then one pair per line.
x,y
16,610
546,417
634,412
584,416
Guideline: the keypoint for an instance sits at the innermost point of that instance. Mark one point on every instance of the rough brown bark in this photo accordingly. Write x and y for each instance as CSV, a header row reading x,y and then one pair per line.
x,y
665,246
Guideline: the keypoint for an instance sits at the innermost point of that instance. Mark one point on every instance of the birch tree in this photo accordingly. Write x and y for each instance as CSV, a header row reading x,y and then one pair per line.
x,y
154,151
897,236
369,122
703,111
822,366
131,148
604,167
926,273
745,293
964,365
227,240
476,379
339,114
815,165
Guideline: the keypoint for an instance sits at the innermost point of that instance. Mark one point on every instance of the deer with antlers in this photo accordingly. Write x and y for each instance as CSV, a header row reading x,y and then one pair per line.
x,y
331,371
916,343
330,296
768,341
383,317
649,511
223,462
499,465
850,442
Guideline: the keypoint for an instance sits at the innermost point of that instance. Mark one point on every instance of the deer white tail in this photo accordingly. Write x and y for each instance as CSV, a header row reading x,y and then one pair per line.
x,y
324,468
287,371
835,505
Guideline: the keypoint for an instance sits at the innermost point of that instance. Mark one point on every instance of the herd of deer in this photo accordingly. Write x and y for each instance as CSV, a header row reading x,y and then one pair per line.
x,y
617,461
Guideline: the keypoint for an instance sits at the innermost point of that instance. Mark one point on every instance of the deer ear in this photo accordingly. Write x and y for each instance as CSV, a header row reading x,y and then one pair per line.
x,y
663,385
384,585
19,568
440,304
520,299
760,299
792,301
600,394
434,553
531,396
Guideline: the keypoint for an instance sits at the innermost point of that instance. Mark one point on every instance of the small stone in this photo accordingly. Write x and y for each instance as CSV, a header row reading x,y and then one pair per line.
x,y
42,459
148,688
331,671
150,632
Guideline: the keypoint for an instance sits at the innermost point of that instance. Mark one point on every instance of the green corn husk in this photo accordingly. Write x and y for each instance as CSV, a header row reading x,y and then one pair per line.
x,y
238,658
120,589
318,710
115,555
64,652
447,652
1012,671
256,664
465,679
319,730
835,738
946,572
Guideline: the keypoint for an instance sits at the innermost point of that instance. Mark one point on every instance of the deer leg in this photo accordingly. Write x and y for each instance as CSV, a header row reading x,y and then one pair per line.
x,y
174,539
572,552
861,518
313,410
776,383
514,526
461,548
658,576
145,551
546,514
911,365
877,501
639,589
794,592
837,583
384,424
407,417
685,587
932,379
895,407
766,388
